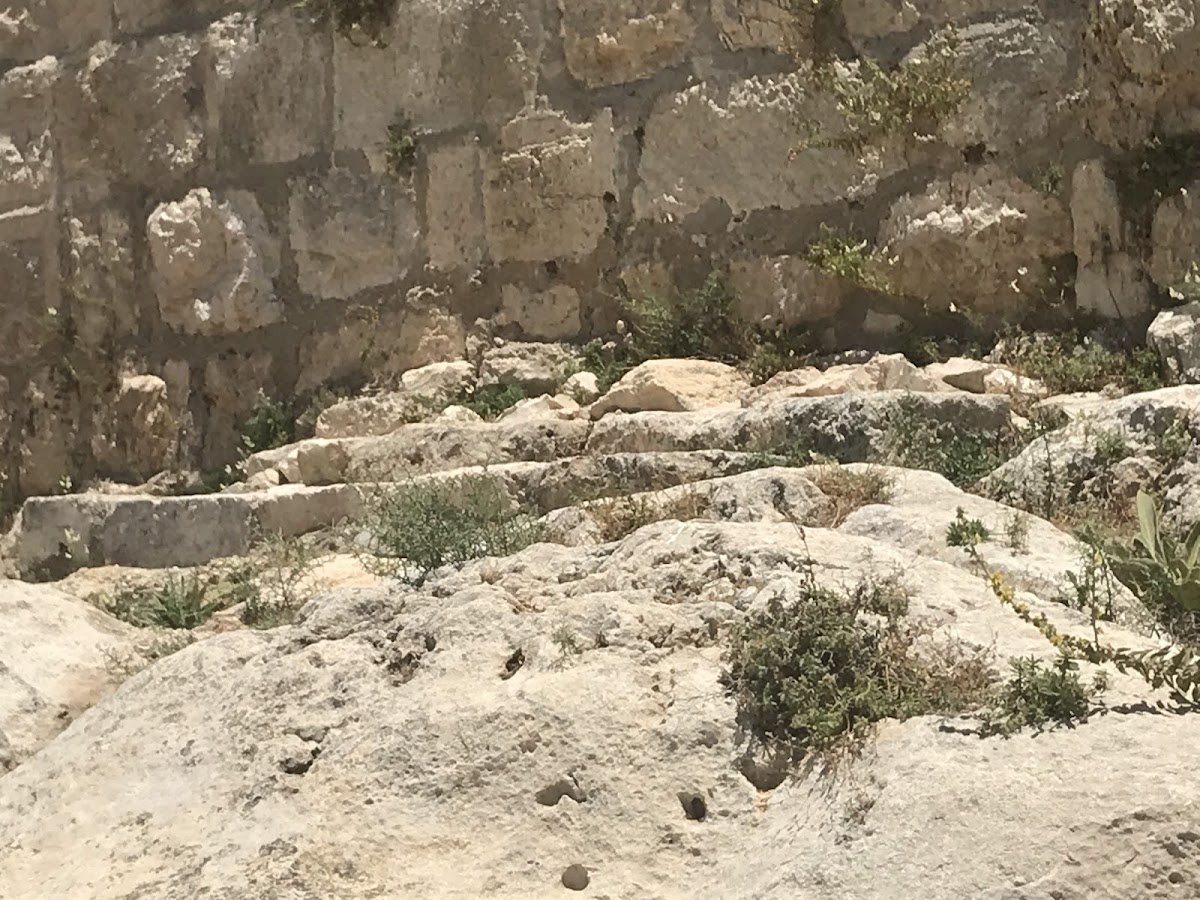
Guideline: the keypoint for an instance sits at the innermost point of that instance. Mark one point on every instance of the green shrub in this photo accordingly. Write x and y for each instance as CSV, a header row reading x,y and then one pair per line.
x,y
419,526
401,149
271,425
960,454
847,259
182,601
1070,363
847,490
964,532
816,671
491,400
1036,696
371,17
699,323
912,100
278,581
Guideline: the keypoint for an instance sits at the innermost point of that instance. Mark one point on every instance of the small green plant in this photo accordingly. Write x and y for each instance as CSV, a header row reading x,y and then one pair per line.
x,y
269,426
489,401
1037,695
278,581
910,101
1049,178
566,641
699,323
816,671
403,144
961,454
1165,560
1172,444
847,259
619,517
607,360
964,532
372,18
182,601
1017,531
1110,446
1071,363
419,526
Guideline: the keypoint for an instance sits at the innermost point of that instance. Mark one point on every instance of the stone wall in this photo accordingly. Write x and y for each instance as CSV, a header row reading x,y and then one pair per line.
x,y
196,200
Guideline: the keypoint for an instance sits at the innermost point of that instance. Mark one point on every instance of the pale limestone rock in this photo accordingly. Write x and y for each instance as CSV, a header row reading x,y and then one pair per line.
x,y
961,373
423,74
214,263
583,387
550,315
783,290
50,429
980,240
98,273
1005,381
30,29
544,194
764,24
885,372
130,114
454,206
535,367
1175,237
137,432
673,385
537,409
28,315
350,232
615,41
422,391
266,90
1109,279
54,651
1175,335
430,332
26,154
457,415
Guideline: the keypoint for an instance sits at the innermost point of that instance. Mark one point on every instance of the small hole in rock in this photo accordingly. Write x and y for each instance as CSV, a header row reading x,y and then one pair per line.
x,y
694,806
551,268
575,877
974,154
610,197
430,642
513,664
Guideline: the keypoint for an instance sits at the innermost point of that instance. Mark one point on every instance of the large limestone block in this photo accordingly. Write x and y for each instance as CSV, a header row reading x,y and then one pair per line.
x,y
536,368
1175,237
28,284
1175,335
98,271
673,385
981,240
885,372
545,193
783,290
30,29
423,75
550,315
137,431
734,143
454,207
762,24
1108,278
267,86
134,112
615,41
214,263
54,653
350,232
26,149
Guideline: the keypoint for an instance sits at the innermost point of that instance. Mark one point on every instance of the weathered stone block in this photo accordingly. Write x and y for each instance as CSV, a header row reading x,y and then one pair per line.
x,y
134,16
136,431
28,273
214,260
266,89
1175,237
783,290
544,195
26,148
99,272
233,385
424,74
454,207
351,232
134,112
551,315
735,143
614,41
30,29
